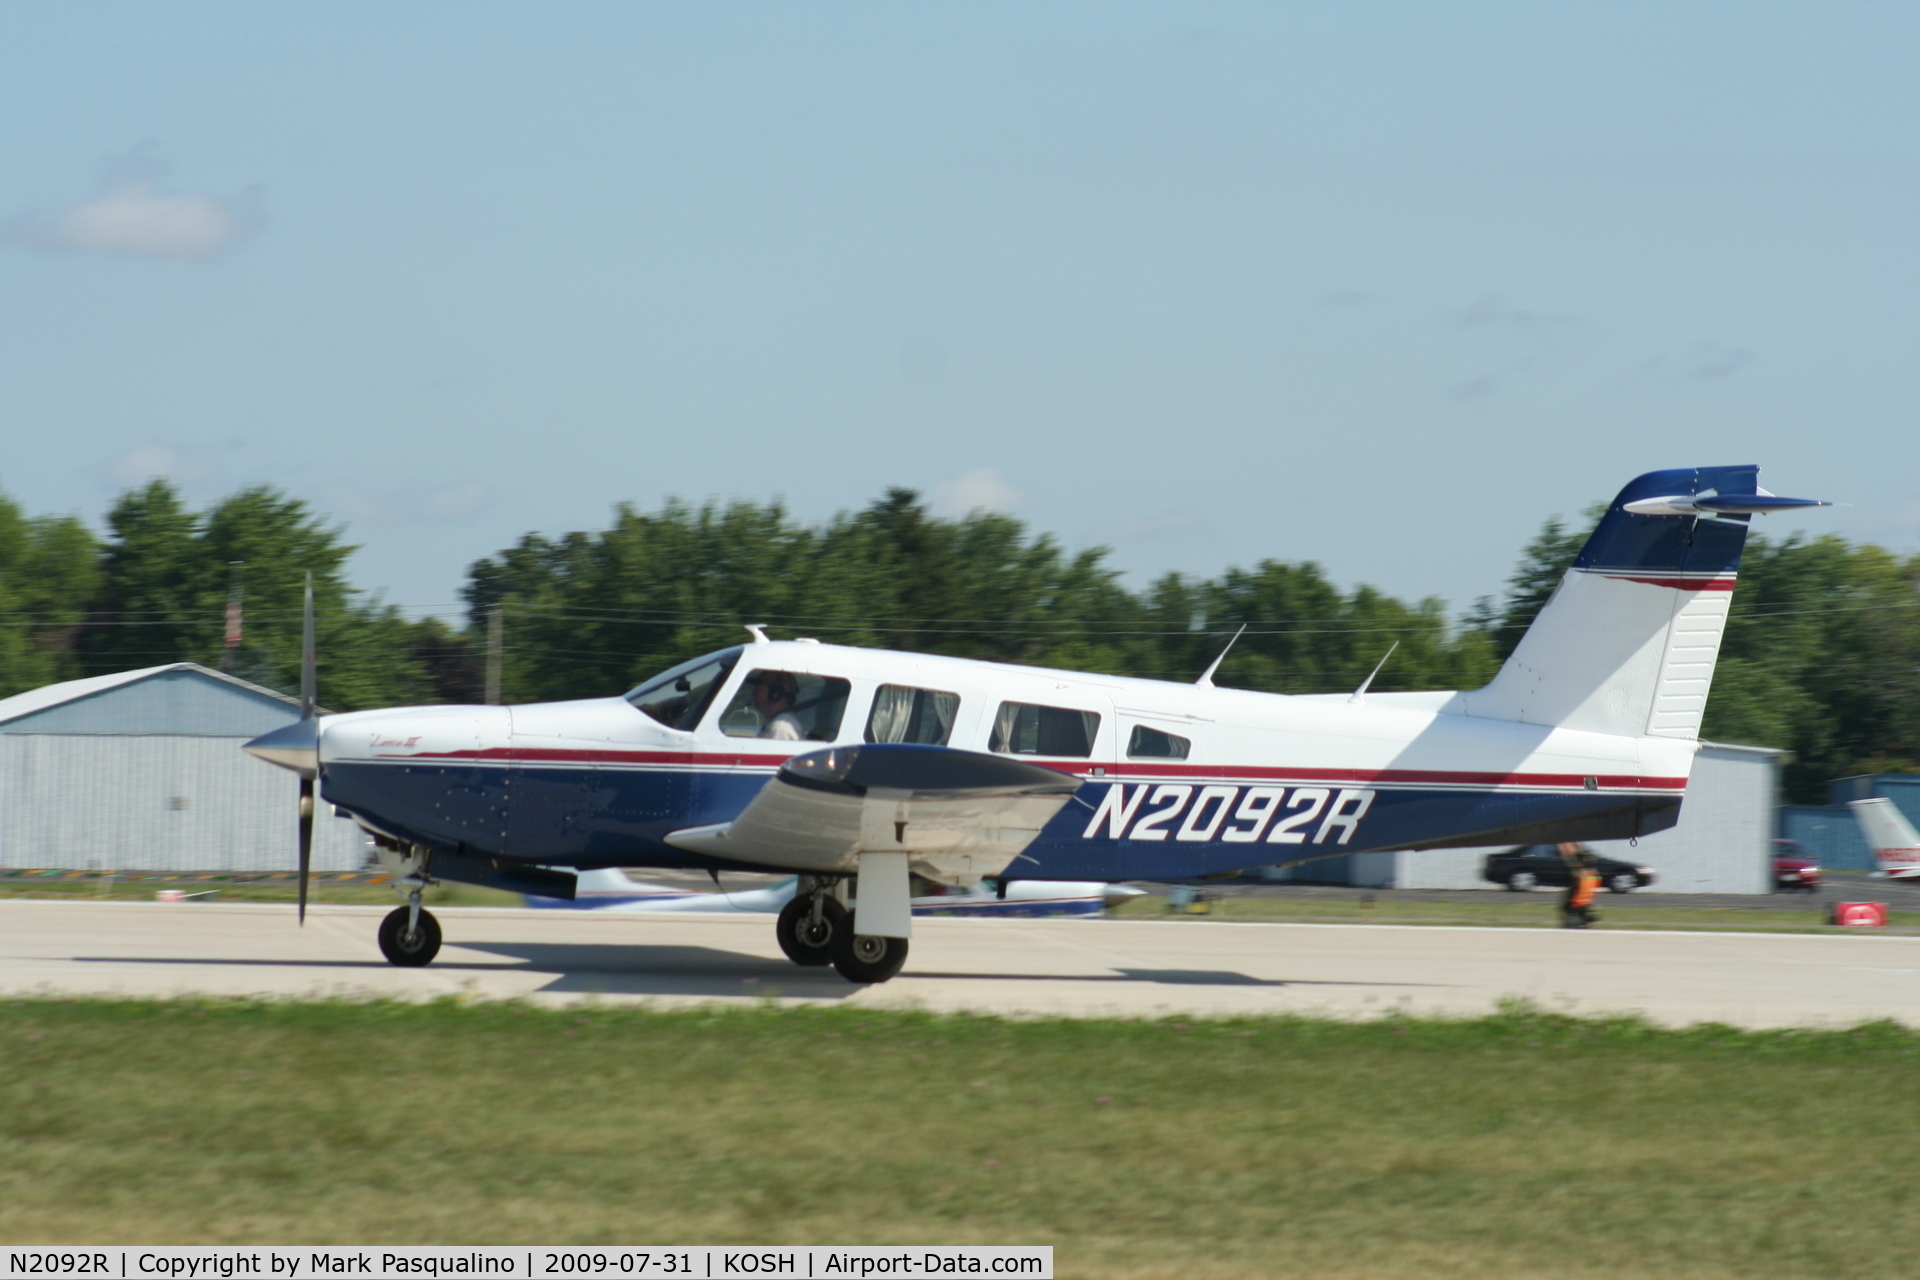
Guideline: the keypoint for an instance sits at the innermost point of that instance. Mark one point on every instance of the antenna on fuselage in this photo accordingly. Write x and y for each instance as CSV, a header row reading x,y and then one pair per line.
x,y
1360,694
759,632
1206,677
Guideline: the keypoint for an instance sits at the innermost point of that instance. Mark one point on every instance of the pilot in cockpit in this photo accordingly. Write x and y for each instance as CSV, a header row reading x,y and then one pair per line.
x,y
773,697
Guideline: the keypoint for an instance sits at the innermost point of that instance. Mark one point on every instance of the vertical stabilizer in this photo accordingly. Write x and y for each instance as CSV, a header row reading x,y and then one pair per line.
x,y
1628,642
1896,846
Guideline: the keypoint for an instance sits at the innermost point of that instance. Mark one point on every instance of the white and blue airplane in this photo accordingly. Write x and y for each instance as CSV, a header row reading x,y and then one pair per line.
x,y
857,770
610,889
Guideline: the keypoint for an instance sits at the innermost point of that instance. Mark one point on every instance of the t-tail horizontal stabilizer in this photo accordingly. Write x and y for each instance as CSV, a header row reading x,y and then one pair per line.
x,y
1628,643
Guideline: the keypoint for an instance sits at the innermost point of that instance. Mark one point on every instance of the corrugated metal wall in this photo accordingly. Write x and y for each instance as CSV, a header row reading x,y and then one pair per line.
x,y
1828,835
161,802
1722,844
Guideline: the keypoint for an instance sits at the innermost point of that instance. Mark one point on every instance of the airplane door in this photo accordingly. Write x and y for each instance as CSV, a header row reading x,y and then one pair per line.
x,y
1072,729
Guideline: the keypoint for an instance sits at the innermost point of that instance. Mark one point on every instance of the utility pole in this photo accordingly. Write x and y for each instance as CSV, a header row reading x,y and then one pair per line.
x,y
236,581
494,626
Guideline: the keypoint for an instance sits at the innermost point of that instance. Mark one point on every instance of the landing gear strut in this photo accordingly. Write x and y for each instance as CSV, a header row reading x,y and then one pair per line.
x,y
808,925
409,936
817,929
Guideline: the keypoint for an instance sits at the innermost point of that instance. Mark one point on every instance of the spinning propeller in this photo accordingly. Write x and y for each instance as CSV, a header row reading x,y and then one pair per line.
x,y
308,680
296,746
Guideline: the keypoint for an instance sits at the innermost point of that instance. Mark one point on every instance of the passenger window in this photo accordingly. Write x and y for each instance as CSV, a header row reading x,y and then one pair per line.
x,y
903,714
1152,744
786,706
1023,729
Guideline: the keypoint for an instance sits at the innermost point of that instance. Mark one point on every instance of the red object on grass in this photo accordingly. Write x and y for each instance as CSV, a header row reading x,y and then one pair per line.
x,y
1866,914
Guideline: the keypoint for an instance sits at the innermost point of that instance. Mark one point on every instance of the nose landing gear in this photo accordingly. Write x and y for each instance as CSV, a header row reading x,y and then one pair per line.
x,y
409,935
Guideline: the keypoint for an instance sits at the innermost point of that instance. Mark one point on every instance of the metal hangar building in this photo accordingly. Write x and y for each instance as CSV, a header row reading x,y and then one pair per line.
x,y
143,771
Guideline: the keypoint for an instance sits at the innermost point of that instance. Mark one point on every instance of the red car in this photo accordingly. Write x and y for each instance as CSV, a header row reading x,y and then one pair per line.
x,y
1792,871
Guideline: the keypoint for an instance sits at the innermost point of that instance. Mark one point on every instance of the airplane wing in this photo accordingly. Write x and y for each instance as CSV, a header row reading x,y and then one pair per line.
x,y
954,813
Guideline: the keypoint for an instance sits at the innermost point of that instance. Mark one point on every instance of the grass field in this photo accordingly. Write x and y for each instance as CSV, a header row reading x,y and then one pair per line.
x,y
1523,1145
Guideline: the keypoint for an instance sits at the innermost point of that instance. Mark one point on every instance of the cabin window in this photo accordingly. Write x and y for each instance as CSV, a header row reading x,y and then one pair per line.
x,y
904,714
786,706
678,697
1153,744
1023,729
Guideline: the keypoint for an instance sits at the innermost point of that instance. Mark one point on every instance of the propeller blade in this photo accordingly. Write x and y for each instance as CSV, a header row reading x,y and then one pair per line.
x,y
308,678
306,841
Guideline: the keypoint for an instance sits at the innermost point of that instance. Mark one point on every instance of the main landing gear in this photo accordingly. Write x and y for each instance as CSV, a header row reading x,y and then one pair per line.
x,y
817,929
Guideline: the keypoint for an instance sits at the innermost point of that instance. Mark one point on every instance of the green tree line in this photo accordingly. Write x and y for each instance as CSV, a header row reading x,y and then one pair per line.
x,y
1822,657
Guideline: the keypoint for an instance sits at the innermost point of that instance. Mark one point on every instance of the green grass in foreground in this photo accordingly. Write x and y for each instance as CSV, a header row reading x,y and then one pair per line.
x,y
1533,911
1521,1145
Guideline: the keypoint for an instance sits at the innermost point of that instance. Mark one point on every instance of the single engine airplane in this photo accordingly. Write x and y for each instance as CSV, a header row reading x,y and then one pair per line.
x,y
857,770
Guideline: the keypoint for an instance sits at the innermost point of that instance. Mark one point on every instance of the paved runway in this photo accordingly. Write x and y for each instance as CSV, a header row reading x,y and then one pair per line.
x,y
1066,967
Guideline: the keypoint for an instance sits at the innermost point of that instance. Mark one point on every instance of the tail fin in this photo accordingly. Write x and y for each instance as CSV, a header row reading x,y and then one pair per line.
x,y
1628,642
1896,846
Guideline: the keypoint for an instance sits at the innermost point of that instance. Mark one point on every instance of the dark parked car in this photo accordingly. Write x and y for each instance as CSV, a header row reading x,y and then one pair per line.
x,y
1529,865
1793,871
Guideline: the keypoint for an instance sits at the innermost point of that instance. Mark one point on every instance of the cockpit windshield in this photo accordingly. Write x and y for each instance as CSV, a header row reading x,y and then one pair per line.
x,y
678,698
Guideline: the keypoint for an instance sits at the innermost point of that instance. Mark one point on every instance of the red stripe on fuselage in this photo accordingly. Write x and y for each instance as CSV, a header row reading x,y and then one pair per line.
x,y
1133,771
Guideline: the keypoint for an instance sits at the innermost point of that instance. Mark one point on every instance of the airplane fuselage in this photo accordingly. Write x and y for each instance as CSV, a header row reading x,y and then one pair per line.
x,y
1175,780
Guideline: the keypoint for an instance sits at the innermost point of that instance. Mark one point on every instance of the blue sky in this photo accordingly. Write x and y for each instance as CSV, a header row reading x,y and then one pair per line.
x,y
1378,285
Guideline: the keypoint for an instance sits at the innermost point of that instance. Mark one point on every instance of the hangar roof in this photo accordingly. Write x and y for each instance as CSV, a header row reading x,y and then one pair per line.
x,y
177,698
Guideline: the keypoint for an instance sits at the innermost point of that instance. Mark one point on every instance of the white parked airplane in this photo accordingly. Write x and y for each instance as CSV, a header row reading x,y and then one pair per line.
x,y
609,889
1895,844
841,765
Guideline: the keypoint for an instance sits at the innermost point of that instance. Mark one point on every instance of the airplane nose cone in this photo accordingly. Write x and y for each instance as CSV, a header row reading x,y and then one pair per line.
x,y
1114,895
293,746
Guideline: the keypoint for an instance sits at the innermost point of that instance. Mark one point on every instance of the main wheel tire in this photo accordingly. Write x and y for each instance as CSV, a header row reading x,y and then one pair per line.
x,y
864,958
1522,881
409,952
805,943
1625,882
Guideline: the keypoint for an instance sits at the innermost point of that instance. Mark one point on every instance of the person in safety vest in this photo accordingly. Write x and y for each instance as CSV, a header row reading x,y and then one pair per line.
x,y
1583,885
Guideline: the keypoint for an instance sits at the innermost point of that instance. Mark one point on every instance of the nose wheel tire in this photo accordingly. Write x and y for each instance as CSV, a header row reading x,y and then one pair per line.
x,y
864,958
806,941
409,951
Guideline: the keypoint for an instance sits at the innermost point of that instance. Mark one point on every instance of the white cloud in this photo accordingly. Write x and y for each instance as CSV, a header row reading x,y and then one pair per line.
x,y
134,217
982,490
